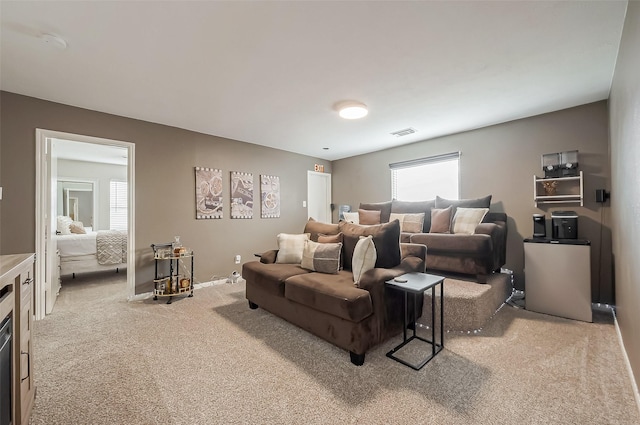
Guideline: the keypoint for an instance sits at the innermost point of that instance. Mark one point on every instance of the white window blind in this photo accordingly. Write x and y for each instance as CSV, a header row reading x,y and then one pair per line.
x,y
422,179
118,205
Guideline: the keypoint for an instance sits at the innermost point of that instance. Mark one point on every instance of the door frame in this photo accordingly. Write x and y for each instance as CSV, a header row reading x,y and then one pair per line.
x,y
43,199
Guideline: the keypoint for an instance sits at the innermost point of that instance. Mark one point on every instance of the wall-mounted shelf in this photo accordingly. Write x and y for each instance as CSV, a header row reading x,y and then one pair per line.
x,y
568,190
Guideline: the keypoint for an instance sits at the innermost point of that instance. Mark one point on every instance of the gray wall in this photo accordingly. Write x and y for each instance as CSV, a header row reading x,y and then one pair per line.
x,y
624,105
165,193
93,171
501,160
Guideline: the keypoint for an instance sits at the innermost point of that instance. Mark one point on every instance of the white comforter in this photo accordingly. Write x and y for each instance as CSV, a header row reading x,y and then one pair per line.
x,y
75,244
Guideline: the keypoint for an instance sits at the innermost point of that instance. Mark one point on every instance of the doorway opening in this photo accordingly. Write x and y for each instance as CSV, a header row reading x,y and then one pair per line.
x,y
74,174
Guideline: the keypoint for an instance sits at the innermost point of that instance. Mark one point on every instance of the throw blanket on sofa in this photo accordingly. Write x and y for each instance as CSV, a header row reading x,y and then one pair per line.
x,y
111,247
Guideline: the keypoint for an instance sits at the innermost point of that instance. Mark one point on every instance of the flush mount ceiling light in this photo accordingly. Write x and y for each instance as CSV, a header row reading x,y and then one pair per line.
x,y
54,40
351,109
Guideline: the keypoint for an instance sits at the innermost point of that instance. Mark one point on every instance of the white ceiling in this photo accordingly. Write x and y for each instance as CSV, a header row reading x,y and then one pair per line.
x,y
89,152
269,73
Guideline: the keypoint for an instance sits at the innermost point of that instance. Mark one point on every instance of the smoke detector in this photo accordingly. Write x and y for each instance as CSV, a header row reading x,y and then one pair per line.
x,y
54,40
404,132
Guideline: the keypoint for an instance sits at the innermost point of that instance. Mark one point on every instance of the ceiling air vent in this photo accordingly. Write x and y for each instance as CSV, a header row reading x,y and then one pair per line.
x,y
404,132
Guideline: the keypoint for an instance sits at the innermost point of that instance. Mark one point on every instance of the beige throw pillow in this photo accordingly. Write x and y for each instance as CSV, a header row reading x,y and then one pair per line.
x,y
77,227
466,219
409,223
368,217
321,257
441,220
364,258
290,248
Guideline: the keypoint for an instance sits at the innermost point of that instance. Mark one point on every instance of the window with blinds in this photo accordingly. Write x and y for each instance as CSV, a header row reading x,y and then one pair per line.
x,y
422,179
118,205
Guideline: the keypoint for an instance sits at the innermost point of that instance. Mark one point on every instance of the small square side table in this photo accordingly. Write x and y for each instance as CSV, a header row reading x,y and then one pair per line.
x,y
415,284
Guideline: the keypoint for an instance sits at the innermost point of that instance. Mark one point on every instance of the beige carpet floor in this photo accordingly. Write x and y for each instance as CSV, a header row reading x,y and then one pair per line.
x,y
211,360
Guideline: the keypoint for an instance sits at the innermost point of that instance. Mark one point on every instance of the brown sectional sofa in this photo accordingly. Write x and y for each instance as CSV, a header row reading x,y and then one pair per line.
x,y
331,306
477,255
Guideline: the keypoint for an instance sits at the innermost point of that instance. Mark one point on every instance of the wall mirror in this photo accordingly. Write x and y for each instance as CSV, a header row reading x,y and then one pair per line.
x,y
76,200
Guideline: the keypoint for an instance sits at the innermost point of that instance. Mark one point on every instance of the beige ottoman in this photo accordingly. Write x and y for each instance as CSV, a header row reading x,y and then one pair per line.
x,y
468,306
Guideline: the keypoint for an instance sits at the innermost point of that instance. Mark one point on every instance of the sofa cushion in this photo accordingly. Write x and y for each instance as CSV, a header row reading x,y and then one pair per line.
x,y
314,228
441,220
321,257
484,202
368,217
386,238
270,277
383,207
467,219
332,294
290,248
415,207
364,257
409,223
339,238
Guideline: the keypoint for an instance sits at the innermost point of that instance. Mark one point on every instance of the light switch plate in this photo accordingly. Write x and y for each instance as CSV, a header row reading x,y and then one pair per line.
x,y
0,193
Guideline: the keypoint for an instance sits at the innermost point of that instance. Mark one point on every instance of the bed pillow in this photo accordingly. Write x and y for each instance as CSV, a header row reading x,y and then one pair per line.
x,y
64,225
466,220
78,228
321,257
364,257
290,248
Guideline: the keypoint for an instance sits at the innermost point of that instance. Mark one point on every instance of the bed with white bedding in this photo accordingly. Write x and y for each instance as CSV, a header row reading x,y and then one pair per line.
x,y
92,251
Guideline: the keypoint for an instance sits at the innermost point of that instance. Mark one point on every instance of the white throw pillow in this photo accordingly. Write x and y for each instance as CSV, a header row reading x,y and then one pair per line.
x,y
64,224
290,248
364,258
351,217
466,220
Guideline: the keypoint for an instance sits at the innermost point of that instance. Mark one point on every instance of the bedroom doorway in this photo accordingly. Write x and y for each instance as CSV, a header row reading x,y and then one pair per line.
x,y
73,178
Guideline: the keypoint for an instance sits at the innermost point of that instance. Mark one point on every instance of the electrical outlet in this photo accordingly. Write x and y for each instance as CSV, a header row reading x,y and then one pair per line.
x,y
238,258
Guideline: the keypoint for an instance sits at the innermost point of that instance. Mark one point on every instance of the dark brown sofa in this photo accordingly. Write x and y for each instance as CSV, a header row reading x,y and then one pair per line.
x,y
331,306
478,255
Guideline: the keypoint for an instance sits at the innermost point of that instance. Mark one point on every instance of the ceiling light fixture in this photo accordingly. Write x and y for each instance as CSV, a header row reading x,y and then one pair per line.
x,y
54,40
351,109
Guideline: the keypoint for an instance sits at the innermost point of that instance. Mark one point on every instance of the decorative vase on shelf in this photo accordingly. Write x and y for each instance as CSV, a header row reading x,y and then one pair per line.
x,y
550,187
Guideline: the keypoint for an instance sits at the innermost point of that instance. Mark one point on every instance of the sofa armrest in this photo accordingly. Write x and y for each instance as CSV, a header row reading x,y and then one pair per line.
x,y
269,257
413,250
498,233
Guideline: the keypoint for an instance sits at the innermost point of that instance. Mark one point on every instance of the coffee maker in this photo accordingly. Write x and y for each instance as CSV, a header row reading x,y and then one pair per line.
x,y
539,226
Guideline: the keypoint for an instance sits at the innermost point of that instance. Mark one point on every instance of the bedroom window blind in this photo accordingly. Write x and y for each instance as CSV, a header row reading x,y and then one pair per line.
x,y
118,205
424,178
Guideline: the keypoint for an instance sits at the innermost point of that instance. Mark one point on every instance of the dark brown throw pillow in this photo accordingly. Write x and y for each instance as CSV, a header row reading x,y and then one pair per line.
x,y
441,220
368,217
314,228
386,238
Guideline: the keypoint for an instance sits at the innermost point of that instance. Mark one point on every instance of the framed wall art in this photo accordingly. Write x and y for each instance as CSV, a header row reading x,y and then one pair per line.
x,y
208,193
269,196
241,195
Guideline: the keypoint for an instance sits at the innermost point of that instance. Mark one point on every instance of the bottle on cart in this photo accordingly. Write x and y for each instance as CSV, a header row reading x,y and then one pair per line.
x,y
176,245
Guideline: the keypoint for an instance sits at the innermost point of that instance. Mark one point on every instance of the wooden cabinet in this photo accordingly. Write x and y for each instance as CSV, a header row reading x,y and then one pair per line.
x,y
17,271
558,190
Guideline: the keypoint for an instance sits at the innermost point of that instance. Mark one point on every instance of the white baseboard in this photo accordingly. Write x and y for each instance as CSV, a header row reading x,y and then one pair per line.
x,y
634,384
146,295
